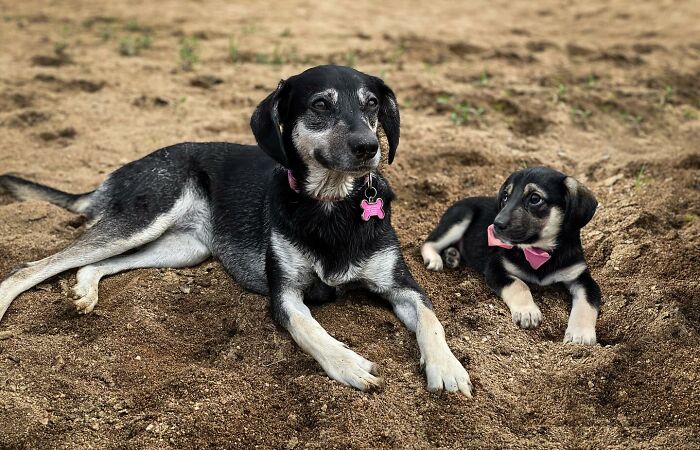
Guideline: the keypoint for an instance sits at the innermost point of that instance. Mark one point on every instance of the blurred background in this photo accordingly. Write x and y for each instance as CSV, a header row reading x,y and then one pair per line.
x,y
608,92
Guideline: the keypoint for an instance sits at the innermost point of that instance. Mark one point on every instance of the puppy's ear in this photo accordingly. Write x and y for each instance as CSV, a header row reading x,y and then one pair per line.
x,y
580,204
389,117
266,127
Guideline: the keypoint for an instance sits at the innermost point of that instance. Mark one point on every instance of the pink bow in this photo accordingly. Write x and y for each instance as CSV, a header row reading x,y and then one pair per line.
x,y
535,256
372,209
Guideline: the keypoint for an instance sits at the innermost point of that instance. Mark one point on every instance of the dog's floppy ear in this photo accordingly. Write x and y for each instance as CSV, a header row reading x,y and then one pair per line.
x,y
580,204
389,117
265,123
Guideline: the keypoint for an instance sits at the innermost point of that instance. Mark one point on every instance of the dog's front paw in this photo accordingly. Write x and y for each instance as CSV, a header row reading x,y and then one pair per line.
x,y
431,258
349,368
446,372
527,316
580,335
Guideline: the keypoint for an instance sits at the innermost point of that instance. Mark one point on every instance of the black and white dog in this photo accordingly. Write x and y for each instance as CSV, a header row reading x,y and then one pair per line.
x,y
307,215
530,233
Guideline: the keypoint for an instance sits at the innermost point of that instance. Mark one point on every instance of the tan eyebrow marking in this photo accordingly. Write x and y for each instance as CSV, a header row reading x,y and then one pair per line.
x,y
532,187
331,94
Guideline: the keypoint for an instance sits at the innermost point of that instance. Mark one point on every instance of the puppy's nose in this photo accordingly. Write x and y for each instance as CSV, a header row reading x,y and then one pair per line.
x,y
500,224
364,148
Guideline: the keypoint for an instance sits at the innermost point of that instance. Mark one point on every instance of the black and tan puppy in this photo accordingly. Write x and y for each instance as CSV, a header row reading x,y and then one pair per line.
x,y
529,233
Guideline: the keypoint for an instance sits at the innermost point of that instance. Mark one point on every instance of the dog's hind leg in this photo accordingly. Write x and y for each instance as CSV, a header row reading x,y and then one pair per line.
x,y
105,239
173,249
448,231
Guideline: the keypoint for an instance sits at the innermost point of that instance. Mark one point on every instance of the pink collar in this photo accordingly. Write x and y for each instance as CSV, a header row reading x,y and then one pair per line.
x,y
372,206
535,256
293,182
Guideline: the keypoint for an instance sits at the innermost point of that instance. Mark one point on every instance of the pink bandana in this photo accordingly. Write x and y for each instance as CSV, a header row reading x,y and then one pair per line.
x,y
535,256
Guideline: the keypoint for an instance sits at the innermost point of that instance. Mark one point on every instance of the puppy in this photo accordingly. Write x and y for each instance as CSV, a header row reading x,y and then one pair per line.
x,y
298,217
530,233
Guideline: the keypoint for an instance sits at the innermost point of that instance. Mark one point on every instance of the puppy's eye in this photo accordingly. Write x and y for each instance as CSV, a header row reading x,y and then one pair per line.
x,y
535,199
505,198
320,105
372,103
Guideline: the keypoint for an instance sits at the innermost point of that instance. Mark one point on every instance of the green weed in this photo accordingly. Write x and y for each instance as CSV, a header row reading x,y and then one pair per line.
x,y
351,58
641,178
580,116
133,45
188,52
465,112
233,53
560,94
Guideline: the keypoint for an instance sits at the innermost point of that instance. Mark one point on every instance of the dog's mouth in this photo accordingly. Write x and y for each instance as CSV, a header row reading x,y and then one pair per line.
x,y
515,237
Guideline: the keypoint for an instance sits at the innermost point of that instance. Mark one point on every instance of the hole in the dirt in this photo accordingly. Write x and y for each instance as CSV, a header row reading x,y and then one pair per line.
x,y
528,124
608,339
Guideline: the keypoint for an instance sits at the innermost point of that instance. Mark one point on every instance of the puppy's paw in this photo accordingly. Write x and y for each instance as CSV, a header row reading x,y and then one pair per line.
x,y
351,369
580,335
431,258
452,257
527,316
445,372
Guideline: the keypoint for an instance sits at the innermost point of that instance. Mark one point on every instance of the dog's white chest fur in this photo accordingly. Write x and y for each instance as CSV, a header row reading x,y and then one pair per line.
x,y
375,271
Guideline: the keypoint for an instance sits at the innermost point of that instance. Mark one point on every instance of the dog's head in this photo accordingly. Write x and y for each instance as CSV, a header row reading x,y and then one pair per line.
x,y
539,204
327,117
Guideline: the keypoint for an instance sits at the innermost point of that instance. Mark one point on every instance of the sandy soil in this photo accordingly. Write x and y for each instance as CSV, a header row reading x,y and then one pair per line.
x,y
607,92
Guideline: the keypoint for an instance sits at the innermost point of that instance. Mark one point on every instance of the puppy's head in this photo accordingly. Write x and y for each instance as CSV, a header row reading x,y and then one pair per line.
x,y
537,205
327,117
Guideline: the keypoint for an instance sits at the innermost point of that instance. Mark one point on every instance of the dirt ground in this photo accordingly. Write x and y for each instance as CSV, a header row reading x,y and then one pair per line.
x,y
608,92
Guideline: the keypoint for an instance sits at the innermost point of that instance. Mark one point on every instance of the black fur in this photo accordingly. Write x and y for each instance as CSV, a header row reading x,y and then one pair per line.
x,y
235,202
520,225
29,190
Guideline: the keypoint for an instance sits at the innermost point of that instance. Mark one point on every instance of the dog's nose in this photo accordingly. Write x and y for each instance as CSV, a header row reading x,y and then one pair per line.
x,y
364,148
500,224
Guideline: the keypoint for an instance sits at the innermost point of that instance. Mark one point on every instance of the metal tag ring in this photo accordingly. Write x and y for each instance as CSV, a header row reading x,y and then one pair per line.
x,y
370,189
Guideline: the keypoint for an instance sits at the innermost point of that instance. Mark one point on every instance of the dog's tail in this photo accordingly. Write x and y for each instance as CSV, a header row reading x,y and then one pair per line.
x,y
28,190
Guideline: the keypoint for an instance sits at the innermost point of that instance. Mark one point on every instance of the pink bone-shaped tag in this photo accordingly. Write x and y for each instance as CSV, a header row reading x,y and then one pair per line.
x,y
370,210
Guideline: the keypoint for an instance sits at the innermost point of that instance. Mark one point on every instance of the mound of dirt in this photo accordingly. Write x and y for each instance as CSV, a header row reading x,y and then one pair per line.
x,y
606,92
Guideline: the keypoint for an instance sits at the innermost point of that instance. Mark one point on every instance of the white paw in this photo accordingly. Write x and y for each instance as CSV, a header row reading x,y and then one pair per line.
x,y
349,368
86,299
444,371
528,316
580,335
431,258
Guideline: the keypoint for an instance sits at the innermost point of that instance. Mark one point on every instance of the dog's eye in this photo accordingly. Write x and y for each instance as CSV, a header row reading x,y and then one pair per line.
x,y
505,198
372,103
535,199
320,105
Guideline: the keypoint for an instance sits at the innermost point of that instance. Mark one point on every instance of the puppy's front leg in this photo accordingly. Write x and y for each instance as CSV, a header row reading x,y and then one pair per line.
x,y
515,293
585,305
388,276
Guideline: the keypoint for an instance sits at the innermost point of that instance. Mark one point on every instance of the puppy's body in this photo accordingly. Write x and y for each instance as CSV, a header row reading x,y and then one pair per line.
x,y
553,226
287,224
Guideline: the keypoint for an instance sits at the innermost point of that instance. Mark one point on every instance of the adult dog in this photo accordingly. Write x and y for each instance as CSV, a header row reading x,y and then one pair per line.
x,y
304,217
